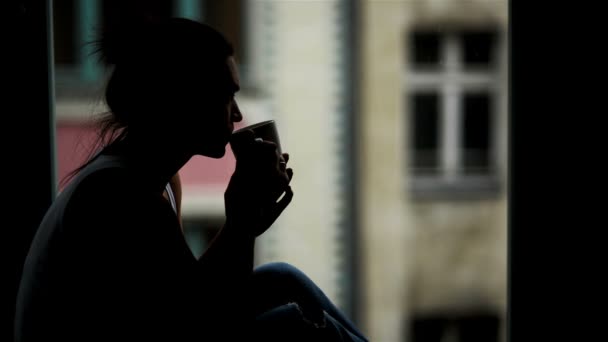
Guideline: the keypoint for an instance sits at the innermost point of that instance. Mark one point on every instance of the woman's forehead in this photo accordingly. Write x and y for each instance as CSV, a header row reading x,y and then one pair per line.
x,y
234,75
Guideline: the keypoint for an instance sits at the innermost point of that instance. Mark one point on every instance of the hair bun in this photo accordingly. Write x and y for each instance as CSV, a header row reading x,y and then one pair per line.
x,y
120,40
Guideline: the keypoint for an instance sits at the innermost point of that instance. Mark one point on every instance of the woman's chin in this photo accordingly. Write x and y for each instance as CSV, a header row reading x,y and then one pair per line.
x,y
216,153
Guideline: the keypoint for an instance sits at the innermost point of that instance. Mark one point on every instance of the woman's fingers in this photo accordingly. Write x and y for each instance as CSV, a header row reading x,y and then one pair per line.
x,y
283,162
284,202
279,206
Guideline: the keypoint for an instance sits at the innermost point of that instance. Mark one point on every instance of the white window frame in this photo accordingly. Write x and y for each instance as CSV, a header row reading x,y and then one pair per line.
x,y
450,82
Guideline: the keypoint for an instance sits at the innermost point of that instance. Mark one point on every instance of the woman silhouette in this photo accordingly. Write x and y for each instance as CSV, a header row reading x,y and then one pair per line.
x,y
109,260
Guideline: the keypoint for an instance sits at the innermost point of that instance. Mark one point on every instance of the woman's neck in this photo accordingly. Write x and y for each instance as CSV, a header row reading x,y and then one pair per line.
x,y
153,163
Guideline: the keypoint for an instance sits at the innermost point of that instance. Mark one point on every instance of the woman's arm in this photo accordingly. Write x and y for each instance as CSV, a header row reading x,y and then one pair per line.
x,y
260,177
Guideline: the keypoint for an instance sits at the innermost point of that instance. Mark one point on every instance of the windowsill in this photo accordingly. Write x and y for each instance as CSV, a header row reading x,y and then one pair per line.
x,y
463,188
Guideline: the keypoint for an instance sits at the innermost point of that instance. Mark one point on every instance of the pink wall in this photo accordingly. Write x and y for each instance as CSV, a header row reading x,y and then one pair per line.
x,y
200,173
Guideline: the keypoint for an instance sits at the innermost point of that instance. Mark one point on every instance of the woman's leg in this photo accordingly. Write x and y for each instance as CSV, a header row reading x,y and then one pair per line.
x,y
276,285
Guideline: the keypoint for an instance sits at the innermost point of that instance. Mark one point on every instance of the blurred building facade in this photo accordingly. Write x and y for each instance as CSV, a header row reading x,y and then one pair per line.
x,y
431,148
434,91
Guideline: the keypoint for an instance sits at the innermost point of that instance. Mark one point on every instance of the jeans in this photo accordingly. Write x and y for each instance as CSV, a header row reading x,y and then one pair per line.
x,y
288,306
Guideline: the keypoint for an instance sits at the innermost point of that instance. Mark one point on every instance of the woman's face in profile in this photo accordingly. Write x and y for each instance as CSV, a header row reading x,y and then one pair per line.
x,y
212,112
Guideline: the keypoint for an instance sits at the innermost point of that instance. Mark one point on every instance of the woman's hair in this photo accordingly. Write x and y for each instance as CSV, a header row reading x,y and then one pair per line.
x,y
152,63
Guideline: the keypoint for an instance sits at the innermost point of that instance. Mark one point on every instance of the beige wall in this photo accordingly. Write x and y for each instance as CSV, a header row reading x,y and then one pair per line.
x,y
302,73
460,256
386,230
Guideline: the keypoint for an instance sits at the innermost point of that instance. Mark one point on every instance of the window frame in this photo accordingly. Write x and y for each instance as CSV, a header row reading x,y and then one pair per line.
x,y
451,81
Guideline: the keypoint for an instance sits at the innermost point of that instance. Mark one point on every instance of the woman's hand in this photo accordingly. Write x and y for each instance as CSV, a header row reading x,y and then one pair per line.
x,y
260,178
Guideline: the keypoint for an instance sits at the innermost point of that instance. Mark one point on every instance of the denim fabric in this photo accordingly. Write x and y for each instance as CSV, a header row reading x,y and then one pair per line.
x,y
291,307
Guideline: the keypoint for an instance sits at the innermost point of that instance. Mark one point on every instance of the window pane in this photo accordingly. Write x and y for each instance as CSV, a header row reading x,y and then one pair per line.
x,y
425,49
476,133
479,327
425,134
428,329
444,326
478,49
64,39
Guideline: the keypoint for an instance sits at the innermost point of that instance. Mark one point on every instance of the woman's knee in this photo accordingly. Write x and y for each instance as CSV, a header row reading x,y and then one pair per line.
x,y
281,267
291,285
281,270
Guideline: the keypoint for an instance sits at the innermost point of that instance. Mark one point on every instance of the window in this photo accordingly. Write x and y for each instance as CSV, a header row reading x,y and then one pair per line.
x,y
113,11
473,327
476,133
425,110
76,23
68,43
64,33
425,52
452,102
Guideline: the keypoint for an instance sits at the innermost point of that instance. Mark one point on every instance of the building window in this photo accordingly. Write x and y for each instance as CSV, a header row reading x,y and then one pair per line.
x,y
425,52
476,108
113,11
228,17
67,41
76,23
425,111
64,33
452,97
474,327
